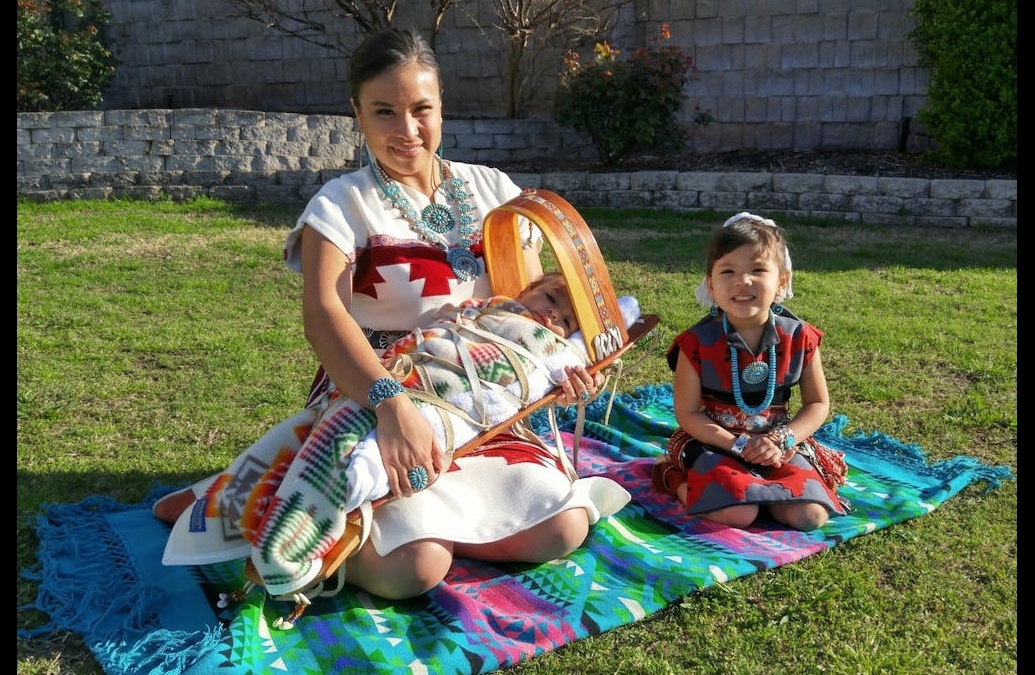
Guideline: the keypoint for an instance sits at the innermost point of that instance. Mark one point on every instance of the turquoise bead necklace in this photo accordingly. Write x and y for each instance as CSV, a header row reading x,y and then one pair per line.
x,y
752,374
435,220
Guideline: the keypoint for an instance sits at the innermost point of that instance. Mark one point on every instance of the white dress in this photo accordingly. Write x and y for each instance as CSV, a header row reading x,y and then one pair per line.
x,y
399,282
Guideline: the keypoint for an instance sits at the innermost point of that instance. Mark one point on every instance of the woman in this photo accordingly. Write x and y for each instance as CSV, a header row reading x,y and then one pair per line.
x,y
381,249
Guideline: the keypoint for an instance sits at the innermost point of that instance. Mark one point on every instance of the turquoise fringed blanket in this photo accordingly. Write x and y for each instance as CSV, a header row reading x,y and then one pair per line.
x,y
100,572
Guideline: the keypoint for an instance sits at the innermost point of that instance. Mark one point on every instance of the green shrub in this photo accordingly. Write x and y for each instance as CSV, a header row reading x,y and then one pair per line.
x,y
628,106
62,62
970,50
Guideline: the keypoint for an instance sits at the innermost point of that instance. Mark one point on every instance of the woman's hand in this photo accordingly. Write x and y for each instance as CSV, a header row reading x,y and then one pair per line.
x,y
409,451
579,387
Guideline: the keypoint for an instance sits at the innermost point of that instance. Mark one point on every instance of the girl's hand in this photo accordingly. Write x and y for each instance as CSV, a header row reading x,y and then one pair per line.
x,y
579,387
408,446
763,451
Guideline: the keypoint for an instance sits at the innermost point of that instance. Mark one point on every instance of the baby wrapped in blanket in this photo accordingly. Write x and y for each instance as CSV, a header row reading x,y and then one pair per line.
x,y
285,499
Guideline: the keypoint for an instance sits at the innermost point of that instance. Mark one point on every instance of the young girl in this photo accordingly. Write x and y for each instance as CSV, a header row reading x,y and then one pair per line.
x,y
738,447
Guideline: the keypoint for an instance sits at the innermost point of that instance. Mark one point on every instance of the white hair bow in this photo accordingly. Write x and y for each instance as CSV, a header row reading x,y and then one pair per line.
x,y
702,294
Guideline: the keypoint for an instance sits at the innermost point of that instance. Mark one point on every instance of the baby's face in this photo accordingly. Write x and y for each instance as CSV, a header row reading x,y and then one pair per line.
x,y
550,304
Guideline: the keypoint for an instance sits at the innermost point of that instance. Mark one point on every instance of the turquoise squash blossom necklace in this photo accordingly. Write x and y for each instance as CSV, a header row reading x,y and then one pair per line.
x,y
435,220
753,373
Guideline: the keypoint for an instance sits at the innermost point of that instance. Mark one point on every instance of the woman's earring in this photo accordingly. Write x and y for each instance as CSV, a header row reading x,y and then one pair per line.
x,y
714,311
369,156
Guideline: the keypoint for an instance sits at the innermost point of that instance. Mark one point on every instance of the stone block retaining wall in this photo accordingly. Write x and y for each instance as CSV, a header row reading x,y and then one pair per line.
x,y
239,155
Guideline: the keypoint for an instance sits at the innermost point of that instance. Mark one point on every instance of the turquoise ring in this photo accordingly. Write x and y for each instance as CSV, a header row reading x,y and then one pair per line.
x,y
418,477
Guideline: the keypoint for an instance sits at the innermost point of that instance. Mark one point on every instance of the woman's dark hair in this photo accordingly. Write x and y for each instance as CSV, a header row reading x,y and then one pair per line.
x,y
385,50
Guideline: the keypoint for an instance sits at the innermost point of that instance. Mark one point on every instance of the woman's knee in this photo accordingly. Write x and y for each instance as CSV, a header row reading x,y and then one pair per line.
x,y
551,539
563,533
406,572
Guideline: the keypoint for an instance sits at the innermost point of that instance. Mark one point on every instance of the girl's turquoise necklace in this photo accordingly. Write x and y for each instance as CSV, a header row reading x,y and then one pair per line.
x,y
754,373
435,220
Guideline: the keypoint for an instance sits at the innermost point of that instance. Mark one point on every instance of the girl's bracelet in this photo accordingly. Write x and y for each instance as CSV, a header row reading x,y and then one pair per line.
x,y
784,437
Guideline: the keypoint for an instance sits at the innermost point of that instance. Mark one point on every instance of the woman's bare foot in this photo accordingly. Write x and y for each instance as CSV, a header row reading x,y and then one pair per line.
x,y
168,508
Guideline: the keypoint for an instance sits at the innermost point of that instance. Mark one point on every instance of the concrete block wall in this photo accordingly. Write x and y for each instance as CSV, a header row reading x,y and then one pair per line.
x,y
782,74
241,155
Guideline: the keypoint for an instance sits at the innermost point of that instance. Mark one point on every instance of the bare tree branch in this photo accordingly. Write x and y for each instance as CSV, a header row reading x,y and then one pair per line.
x,y
535,33
536,30
318,21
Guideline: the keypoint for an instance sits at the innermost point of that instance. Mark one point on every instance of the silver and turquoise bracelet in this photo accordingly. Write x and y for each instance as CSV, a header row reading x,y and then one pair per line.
x,y
383,389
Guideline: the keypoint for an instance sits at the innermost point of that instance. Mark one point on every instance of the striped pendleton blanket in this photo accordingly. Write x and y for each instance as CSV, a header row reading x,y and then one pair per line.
x,y
101,577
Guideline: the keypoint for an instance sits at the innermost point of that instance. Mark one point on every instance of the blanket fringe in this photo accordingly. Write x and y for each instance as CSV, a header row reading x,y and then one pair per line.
x,y
104,585
68,608
161,652
955,470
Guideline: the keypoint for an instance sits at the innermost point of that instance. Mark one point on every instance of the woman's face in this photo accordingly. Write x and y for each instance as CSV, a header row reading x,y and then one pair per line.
x,y
400,115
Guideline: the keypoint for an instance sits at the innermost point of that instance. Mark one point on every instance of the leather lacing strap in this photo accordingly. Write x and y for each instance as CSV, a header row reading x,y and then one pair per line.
x,y
512,351
612,374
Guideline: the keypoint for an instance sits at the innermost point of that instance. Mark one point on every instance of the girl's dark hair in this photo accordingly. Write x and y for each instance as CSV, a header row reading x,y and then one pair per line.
x,y
761,236
385,50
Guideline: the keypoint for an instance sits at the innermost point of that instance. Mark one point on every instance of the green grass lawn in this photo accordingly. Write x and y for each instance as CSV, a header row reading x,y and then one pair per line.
x,y
157,340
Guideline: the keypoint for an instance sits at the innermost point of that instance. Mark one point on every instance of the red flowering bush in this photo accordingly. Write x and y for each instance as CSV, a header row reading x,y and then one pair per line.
x,y
628,106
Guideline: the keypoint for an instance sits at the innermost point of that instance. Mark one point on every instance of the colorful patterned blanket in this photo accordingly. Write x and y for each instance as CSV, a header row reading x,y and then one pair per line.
x,y
100,573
